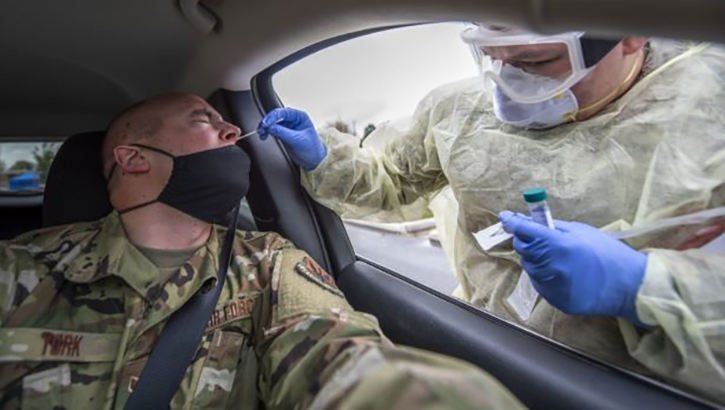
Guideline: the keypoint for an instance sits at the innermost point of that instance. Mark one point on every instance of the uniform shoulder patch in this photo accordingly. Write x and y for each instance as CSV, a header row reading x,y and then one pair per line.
x,y
299,286
310,270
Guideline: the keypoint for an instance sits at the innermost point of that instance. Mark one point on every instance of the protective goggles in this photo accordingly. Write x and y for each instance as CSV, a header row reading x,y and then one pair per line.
x,y
530,68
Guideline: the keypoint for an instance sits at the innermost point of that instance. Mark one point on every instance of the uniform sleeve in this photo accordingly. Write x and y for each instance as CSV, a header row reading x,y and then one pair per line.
x,y
359,181
315,351
682,298
19,275
8,281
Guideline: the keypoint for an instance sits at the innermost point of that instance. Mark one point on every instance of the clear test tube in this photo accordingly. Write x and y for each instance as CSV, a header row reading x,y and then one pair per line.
x,y
538,208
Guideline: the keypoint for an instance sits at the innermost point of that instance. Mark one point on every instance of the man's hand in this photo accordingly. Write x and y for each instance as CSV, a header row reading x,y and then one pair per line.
x,y
578,268
296,131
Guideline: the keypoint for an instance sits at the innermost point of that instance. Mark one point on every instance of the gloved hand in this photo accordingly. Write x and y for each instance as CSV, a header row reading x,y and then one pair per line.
x,y
296,131
577,268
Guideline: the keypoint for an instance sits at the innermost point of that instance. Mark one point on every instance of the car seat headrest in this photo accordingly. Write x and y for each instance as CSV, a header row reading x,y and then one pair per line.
x,y
75,190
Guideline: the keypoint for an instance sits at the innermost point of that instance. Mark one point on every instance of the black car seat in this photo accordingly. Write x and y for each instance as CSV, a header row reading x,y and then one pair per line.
x,y
75,190
19,214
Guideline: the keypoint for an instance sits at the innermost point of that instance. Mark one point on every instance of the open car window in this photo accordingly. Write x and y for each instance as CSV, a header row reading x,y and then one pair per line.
x,y
375,82
410,102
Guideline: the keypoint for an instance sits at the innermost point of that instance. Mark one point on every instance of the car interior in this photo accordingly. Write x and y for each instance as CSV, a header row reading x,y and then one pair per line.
x,y
69,67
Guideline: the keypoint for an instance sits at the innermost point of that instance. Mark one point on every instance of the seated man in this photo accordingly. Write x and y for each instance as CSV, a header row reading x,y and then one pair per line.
x,y
83,305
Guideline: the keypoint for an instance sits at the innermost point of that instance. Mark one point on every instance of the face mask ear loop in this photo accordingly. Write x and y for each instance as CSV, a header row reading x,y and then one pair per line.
x,y
141,205
115,165
135,207
160,151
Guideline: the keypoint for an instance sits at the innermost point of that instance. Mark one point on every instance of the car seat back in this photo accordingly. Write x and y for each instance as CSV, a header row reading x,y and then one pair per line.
x,y
75,190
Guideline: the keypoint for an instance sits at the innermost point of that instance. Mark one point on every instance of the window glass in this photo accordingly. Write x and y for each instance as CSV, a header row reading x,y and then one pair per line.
x,y
361,83
376,81
24,166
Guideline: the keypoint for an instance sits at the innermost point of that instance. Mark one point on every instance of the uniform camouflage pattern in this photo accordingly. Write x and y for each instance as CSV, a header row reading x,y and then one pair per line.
x,y
81,308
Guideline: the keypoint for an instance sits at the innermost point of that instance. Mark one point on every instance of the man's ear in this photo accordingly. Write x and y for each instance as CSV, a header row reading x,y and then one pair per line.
x,y
631,45
130,160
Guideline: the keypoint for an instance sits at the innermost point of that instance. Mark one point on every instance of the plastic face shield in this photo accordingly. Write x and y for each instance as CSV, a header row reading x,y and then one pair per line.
x,y
528,68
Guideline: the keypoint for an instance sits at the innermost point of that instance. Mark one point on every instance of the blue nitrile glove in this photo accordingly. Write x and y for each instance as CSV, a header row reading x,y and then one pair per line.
x,y
578,268
296,131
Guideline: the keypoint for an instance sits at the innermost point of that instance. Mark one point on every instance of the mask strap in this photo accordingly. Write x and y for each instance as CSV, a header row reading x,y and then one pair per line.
x,y
141,205
135,207
634,71
159,150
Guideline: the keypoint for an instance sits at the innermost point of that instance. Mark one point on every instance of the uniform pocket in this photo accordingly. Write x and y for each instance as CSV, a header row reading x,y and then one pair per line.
x,y
218,373
67,385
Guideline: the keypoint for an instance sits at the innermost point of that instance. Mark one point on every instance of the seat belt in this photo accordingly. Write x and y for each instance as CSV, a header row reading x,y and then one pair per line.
x,y
177,345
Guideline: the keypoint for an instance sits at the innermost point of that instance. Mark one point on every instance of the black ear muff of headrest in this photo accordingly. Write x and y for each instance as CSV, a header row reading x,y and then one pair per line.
x,y
76,190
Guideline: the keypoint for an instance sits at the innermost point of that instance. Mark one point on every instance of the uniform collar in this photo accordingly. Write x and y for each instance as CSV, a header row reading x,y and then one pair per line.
x,y
108,252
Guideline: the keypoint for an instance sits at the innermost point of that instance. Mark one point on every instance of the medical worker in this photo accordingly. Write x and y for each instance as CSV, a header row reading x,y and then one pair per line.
x,y
621,133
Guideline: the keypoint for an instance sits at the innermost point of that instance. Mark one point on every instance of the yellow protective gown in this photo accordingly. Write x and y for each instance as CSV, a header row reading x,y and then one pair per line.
x,y
656,152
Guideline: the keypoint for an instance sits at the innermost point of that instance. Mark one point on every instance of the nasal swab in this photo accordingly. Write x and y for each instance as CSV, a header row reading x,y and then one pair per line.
x,y
249,134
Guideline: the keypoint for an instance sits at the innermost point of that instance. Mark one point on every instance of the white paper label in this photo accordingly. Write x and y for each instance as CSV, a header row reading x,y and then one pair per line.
x,y
523,298
492,236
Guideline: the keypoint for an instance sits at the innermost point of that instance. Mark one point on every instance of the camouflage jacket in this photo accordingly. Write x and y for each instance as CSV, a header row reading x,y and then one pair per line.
x,y
81,309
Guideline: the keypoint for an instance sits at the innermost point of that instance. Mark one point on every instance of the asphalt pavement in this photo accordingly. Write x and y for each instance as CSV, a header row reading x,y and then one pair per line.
x,y
411,256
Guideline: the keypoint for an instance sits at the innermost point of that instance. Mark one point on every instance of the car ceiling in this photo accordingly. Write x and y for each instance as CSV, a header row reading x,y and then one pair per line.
x,y
69,66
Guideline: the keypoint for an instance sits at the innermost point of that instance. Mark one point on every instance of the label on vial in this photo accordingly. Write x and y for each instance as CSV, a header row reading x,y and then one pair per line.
x,y
523,298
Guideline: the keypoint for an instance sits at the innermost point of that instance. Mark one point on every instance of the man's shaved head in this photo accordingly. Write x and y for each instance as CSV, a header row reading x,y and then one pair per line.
x,y
139,122
170,125
177,124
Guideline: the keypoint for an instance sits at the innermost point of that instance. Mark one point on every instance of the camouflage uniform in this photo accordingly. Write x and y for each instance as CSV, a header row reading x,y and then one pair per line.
x,y
81,308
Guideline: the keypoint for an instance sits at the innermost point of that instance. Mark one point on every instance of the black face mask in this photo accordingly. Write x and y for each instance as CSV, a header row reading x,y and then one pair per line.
x,y
206,185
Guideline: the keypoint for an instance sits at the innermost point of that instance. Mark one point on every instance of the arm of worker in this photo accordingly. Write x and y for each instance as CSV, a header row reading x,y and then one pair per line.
x,y
675,298
682,299
316,351
360,181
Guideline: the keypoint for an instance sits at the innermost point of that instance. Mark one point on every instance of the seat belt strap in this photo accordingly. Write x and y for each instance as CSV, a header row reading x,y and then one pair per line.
x,y
177,345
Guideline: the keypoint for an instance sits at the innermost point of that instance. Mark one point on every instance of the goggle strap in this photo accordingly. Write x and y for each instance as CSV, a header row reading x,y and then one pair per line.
x,y
593,49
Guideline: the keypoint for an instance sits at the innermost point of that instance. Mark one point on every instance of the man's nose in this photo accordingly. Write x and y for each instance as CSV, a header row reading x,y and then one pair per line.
x,y
229,133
